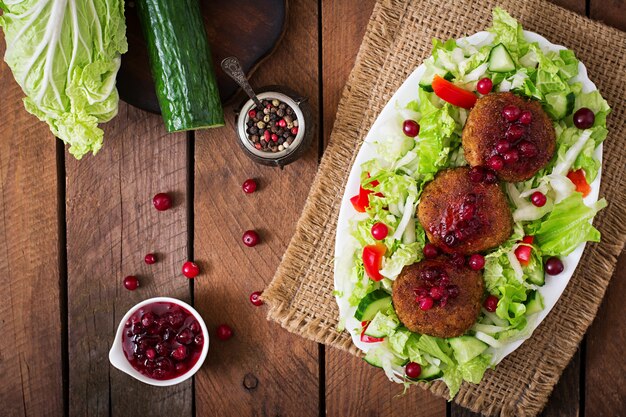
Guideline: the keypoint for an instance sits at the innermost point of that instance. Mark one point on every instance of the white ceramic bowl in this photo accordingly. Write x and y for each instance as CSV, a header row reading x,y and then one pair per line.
x,y
118,358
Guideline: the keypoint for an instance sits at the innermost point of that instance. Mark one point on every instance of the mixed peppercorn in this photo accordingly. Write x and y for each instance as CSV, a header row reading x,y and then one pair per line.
x,y
273,127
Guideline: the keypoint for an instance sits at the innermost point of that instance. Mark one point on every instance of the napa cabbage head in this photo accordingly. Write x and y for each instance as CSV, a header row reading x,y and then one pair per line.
x,y
65,55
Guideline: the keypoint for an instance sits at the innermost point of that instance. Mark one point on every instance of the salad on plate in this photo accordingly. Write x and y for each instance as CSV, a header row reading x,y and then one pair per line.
x,y
469,205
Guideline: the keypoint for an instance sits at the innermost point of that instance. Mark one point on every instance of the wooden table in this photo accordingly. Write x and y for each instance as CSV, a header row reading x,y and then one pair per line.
x,y
71,230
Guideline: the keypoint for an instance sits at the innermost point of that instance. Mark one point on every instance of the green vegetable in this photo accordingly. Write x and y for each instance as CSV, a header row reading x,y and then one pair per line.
x,y
372,303
181,64
466,348
65,55
534,303
382,325
500,60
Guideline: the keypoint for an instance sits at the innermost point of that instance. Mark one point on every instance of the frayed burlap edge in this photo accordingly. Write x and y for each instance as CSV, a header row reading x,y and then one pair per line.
x,y
396,41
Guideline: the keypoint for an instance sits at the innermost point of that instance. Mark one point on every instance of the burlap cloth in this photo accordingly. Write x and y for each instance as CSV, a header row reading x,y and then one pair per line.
x,y
398,38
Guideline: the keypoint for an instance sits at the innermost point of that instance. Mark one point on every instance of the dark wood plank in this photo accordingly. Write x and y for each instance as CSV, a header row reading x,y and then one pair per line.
x,y
605,385
611,12
347,377
262,370
30,349
111,225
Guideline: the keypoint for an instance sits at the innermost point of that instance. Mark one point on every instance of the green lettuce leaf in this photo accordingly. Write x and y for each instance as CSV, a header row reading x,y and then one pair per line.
x,y
65,55
508,32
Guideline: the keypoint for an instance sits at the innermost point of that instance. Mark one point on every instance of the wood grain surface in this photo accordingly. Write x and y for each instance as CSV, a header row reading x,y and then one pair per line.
x,y
71,230
111,225
30,313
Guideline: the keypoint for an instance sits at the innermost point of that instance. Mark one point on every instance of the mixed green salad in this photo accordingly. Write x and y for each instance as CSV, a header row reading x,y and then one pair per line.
x,y
391,185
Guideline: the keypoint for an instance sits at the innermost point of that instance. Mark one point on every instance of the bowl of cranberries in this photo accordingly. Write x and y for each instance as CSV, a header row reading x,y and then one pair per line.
x,y
160,341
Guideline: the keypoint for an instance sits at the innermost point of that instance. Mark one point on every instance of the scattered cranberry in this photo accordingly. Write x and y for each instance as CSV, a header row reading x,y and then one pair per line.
x,y
224,332
425,303
554,266
195,327
149,259
584,118
477,174
490,177
252,114
294,130
491,303
457,260
249,186
198,340
282,123
514,132
380,231
511,113
190,269
151,353
411,128
453,291
162,201
538,199
511,157
180,353
495,162
502,146
184,337
527,149
526,117
131,282
430,251
484,86
476,262
437,292
255,298
413,370
250,238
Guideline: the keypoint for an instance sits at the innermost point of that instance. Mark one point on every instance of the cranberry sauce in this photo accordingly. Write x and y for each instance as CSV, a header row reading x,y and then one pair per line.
x,y
162,340
436,289
514,147
460,221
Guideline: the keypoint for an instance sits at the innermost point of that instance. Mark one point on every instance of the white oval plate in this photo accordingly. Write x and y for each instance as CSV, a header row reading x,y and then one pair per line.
x,y
345,245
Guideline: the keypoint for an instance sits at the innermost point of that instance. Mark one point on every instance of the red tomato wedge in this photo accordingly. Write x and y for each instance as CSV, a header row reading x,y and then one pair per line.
x,y
361,201
522,253
579,180
453,94
369,339
373,260
357,204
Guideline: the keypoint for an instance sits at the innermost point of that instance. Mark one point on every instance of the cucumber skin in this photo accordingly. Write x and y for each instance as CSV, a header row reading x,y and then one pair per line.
x,y
181,64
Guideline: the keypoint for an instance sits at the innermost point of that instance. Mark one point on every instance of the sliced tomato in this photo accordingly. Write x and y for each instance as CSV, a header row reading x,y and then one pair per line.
x,y
522,253
579,180
368,339
373,260
453,94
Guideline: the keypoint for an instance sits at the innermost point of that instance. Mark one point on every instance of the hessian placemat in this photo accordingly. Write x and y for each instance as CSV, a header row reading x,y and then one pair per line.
x,y
398,38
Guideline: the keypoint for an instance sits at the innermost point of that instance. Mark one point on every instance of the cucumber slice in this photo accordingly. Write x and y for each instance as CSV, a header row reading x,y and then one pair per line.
x,y
536,276
381,325
500,60
430,372
372,303
373,357
559,104
466,348
534,303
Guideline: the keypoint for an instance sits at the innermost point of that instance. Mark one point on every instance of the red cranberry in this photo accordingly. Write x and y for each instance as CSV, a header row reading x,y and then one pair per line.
x,y
380,231
444,279
294,130
255,298
470,199
426,303
511,112
457,260
180,353
584,118
495,162
527,149
490,177
467,211
450,239
514,132
252,114
443,301
411,128
149,258
162,201
147,319
176,319
437,292
184,337
538,199
511,157
190,269
420,292
430,274
430,251
198,340
131,282
477,174
180,368
224,332
484,86
413,370
476,262
503,146
249,186
491,303
526,117
250,238
554,266
195,327
453,291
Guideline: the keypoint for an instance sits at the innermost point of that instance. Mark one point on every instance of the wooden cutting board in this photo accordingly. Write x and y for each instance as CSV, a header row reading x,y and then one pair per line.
x,y
248,29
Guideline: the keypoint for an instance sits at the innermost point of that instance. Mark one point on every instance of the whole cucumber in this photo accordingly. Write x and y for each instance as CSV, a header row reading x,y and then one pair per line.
x,y
181,64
